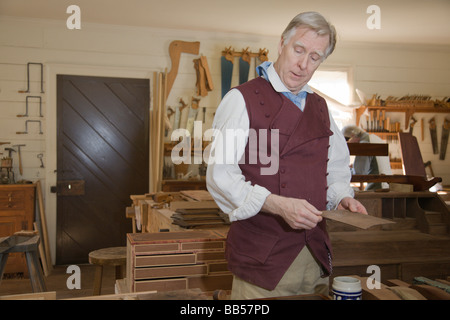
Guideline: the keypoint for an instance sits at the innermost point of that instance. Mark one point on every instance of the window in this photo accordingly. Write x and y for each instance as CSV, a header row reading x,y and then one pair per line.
x,y
334,86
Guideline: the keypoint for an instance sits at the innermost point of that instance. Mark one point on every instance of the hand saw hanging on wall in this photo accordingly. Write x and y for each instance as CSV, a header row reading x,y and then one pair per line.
x,y
433,135
226,62
178,111
244,66
444,138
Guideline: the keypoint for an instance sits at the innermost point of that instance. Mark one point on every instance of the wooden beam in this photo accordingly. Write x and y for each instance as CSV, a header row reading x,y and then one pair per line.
x,y
368,149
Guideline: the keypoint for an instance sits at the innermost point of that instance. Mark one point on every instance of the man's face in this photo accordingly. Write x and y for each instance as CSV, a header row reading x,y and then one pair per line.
x,y
300,57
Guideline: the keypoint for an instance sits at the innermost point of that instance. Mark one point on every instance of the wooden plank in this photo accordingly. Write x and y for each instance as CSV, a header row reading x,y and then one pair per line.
x,y
423,280
411,156
376,294
430,292
359,220
50,295
43,221
368,149
198,195
406,293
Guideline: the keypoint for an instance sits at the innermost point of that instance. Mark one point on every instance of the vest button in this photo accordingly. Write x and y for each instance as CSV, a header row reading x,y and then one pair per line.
x,y
257,91
261,103
267,115
282,170
283,185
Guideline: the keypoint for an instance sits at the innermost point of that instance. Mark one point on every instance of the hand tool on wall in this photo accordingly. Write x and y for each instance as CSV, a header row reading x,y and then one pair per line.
x,y
26,106
204,78
444,139
178,111
176,48
26,127
204,114
422,128
433,134
10,151
244,66
28,77
411,124
168,127
40,156
201,81
226,62
193,111
20,157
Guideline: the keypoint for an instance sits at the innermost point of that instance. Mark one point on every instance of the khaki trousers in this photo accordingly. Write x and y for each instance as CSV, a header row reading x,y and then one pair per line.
x,y
302,277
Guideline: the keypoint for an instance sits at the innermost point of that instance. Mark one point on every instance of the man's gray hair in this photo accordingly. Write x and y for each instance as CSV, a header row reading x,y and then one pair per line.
x,y
352,131
314,21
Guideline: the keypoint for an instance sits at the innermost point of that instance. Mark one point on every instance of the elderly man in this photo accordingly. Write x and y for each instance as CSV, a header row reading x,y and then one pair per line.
x,y
277,243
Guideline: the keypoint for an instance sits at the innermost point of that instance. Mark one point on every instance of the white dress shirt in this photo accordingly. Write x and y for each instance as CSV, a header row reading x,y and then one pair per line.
x,y
225,181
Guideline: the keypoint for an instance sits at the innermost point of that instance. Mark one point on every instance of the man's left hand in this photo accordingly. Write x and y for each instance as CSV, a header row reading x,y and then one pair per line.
x,y
352,205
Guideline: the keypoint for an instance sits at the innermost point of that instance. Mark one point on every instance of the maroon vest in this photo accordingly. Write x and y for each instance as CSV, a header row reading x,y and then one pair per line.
x,y
260,249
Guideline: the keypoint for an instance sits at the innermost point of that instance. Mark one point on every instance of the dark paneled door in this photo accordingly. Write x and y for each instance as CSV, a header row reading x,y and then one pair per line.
x,y
102,159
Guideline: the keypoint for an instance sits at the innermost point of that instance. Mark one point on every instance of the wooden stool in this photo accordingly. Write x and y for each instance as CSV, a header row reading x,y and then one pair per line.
x,y
115,256
29,245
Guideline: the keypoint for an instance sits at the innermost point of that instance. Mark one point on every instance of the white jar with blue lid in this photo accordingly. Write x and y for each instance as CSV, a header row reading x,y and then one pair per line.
x,y
346,288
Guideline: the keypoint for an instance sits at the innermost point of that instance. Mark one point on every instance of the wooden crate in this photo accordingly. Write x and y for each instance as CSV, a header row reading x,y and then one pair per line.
x,y
168,261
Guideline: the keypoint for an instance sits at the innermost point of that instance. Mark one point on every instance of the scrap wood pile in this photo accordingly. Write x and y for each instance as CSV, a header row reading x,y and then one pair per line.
x,y
421,289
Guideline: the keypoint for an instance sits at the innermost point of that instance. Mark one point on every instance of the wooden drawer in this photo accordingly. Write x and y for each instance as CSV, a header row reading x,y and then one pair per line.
x,y
160,285
168,272
206,245
143,249
12,200
165,260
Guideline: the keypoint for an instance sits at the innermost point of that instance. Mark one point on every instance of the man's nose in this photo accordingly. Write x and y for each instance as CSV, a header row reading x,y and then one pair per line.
x,y
303,62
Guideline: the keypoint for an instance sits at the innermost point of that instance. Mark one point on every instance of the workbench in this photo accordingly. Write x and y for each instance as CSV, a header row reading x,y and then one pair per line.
x,y
418,244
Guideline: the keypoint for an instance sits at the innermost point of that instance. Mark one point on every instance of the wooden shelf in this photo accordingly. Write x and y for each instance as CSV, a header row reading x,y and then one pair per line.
x,y
409,110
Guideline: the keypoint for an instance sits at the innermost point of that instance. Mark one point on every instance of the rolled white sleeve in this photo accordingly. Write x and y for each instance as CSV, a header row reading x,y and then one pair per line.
x,y
224,179
339,174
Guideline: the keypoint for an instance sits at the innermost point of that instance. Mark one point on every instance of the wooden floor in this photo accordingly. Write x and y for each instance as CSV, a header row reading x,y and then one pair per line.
x,y
56,281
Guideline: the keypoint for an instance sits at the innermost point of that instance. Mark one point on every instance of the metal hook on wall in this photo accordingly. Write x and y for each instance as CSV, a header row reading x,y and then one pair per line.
x,y
28,77
26,110
26,127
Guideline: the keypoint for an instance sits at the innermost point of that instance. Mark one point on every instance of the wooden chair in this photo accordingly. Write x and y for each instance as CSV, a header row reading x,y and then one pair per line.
x,y
114,256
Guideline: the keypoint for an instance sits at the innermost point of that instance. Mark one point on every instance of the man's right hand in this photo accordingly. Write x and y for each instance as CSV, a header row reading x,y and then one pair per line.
x,y
298,213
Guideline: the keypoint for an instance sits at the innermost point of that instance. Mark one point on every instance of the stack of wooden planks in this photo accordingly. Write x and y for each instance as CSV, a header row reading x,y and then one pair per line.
x,y
199,218
421,289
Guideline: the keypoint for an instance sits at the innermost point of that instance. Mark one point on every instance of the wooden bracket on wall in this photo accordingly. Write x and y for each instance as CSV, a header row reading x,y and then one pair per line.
x,y
229,54
175,49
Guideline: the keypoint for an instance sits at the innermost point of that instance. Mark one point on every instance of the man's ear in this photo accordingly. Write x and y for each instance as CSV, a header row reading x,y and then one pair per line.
x,y
280,45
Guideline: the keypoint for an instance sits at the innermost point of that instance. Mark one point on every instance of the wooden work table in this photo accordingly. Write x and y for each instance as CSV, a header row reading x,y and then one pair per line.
x,y
418,244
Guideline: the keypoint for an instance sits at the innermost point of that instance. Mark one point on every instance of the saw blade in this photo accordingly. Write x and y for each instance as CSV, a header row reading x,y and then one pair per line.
x,y
444,138
433,134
